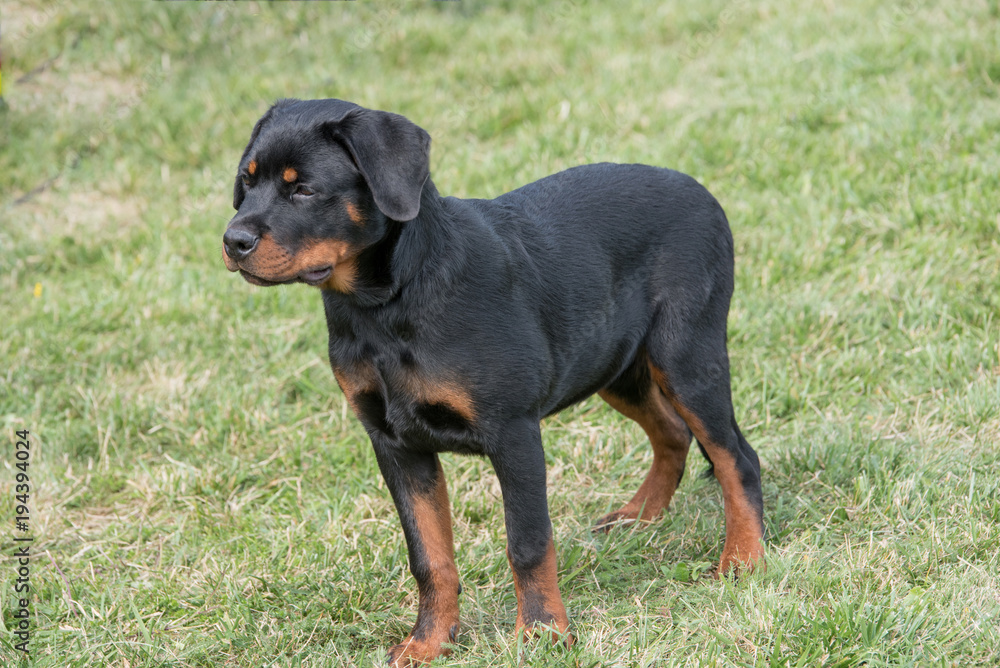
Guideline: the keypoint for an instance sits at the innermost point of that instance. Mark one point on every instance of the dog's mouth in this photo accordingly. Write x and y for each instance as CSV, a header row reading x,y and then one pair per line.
x,y
312,277
315,276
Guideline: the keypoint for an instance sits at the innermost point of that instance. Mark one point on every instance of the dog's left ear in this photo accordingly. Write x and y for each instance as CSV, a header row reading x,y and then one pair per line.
x,y
393,155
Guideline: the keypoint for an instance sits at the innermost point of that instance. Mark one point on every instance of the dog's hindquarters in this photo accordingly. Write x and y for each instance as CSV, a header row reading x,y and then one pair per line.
x,y
679,381
690,364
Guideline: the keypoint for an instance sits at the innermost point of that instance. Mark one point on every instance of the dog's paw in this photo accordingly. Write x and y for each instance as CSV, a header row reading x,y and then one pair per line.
x,y
412,652
736,562
619,518
557,632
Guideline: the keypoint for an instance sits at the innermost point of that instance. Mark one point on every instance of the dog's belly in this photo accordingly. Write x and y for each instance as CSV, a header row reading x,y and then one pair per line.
x,y
589,352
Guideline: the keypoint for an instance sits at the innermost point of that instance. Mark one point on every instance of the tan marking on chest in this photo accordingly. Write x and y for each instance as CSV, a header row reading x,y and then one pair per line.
x,y
418,388
356,380
444,392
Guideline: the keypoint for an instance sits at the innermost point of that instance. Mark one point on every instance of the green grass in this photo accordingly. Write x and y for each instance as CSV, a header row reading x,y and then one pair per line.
x,y
202,496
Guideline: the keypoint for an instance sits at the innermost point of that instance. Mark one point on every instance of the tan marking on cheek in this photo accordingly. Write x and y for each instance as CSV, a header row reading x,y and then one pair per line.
x,y
329,253
343,276
252,167
289,175
321,253
269,261
353,213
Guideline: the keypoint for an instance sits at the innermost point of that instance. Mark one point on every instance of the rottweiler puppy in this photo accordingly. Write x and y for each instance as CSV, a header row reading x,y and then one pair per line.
x,y
456,325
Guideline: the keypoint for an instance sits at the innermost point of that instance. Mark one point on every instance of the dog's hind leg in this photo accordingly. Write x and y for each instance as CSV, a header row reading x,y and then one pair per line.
x,y
690,364
636,395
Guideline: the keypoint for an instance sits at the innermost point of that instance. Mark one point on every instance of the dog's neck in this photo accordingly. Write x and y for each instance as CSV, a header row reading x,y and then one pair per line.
x,y
406,253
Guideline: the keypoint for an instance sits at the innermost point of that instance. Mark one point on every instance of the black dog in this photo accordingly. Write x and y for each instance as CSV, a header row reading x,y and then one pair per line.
x,y
456,325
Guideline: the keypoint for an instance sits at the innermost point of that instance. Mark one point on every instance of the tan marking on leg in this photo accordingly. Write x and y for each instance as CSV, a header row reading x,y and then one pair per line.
x,y
432,516
744,548
669,438
437,619
540,588
354,213
289,175
252,167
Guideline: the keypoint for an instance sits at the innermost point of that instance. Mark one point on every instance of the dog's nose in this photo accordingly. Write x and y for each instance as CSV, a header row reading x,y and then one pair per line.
x,y
239,243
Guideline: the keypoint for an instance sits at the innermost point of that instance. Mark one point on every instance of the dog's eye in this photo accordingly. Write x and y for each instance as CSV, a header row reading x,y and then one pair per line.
x,y
246,179
302,191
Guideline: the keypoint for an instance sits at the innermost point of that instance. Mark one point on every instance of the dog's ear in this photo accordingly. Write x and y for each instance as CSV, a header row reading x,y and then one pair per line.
x,y
393,155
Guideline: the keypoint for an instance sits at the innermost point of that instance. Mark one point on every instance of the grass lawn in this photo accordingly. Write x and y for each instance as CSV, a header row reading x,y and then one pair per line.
x,y
201,495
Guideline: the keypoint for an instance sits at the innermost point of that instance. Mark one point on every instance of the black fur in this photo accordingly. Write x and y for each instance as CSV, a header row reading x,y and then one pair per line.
x,y
522,305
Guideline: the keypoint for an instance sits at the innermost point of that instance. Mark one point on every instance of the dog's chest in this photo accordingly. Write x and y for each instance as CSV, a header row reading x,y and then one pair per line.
x,y
413,405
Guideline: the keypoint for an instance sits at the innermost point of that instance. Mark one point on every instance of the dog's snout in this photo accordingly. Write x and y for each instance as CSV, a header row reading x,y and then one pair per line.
x,y
239,242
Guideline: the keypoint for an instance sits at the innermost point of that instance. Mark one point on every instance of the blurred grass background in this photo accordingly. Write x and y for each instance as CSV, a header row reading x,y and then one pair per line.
x,y
202,496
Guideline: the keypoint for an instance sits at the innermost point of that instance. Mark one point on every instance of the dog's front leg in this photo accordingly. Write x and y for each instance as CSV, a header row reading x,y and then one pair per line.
x,y
520,466
418,489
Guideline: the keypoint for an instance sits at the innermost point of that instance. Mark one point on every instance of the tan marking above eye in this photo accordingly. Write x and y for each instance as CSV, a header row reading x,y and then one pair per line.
x,y
252,167
289,175
353,213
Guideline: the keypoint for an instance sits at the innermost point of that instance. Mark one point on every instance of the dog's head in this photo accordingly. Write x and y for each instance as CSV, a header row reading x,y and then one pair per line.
x,y
316,185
